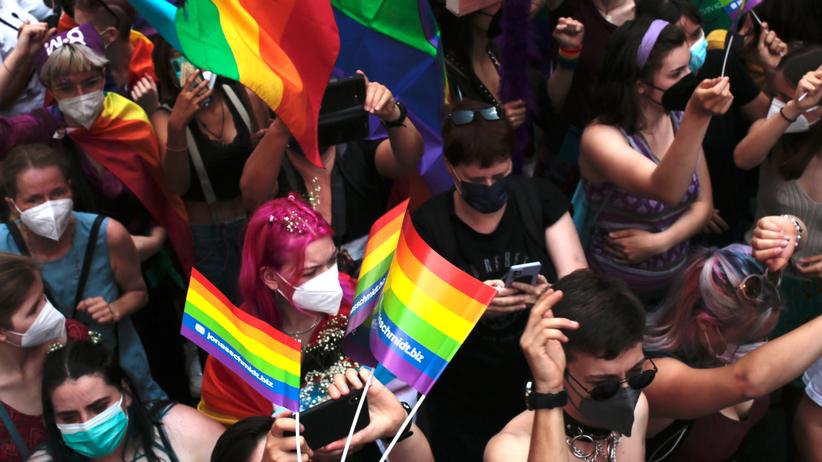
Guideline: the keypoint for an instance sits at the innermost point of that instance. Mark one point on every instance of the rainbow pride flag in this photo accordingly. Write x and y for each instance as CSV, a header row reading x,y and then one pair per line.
x,y
382,241
397,43
265,358
738,8
123,141
283,50
427,309
723,14
379,252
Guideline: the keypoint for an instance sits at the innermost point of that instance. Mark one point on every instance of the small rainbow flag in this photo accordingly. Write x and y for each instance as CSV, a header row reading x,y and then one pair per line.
x,y
738,8
382,241
142,62
722,14
123,141
283,50
427,309
265,358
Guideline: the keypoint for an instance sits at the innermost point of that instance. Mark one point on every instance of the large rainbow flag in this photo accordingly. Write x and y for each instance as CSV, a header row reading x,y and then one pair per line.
x,y
265,358
122,140
283,50
379,252
397,43
427,309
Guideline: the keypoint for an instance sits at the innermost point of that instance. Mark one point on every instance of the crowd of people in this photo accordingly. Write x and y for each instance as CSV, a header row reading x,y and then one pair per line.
x,y
662,170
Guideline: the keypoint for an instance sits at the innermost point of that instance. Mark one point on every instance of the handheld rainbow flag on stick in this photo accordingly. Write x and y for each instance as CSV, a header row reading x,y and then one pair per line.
x,y
427,309
283,50
738,8
379,252
736,11
721,14
265,358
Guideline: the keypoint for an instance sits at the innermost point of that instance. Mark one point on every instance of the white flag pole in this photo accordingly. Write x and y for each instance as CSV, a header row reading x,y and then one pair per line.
x,y
297,433
756,16
727,52
356,417
404,426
